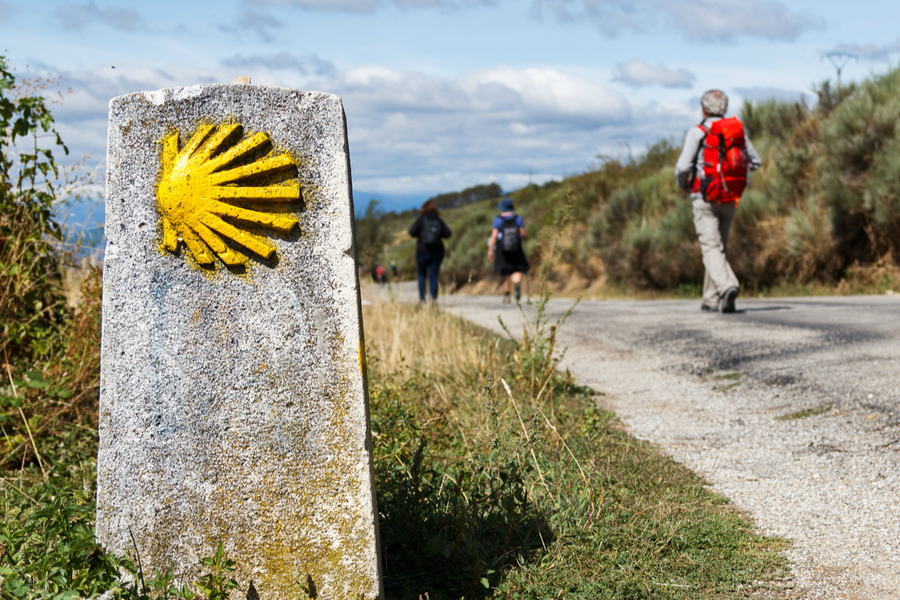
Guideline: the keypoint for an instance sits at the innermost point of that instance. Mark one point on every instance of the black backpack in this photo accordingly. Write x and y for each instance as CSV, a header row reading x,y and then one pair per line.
x,y
430,234
509,235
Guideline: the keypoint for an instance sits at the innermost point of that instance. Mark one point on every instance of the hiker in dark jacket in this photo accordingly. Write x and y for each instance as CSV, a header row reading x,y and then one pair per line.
x,y
506,248
430,231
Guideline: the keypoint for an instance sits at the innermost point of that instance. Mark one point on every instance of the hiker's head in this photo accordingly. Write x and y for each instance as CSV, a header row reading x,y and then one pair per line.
x,y
429,208
714,103
506,205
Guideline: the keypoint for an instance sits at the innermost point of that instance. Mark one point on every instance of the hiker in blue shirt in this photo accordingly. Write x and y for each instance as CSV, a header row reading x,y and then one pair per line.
x,y
507,250
429,231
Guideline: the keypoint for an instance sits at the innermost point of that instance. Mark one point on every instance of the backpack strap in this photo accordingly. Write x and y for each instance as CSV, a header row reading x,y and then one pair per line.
x,y
693,183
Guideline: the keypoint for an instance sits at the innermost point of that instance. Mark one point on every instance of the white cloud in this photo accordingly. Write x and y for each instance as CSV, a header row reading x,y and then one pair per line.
x,y
283,61
6,11
698,20
259,23
81,16
712,20
372,5
637,73
487,125
552,95
761,94
330,5
870,51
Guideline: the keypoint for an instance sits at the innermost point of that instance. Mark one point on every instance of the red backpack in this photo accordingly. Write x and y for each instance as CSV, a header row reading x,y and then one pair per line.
x,y
724,161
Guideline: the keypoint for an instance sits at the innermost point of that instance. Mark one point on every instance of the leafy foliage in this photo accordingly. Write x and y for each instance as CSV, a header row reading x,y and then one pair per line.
x,y
468,196
30,301
371,235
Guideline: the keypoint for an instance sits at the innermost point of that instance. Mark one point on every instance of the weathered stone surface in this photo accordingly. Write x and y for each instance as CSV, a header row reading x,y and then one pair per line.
x,y
233,401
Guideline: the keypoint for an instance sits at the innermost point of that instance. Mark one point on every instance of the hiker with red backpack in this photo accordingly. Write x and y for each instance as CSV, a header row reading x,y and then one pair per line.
x,y
506,248
714,167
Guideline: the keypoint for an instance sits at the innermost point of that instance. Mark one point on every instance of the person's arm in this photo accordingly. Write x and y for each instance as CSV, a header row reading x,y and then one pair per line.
x,y
753,155
445,230
416,228
491,244
687,161
521,224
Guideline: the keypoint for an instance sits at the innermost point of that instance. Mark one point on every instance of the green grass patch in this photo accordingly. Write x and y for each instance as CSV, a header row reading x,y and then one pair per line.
x,y
803,414
729,377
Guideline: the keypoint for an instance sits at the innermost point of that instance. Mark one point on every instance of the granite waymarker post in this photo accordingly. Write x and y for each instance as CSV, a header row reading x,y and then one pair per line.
x,y
233,401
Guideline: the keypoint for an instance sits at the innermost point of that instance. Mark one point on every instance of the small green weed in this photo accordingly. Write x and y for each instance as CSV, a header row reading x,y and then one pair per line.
x,y
803,414
728,376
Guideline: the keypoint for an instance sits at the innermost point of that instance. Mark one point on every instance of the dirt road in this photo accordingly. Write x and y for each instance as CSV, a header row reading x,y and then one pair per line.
x,y
790,407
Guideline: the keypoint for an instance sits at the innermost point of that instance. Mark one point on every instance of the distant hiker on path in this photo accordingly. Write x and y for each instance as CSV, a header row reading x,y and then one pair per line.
x,y
713,167
430,231
506,248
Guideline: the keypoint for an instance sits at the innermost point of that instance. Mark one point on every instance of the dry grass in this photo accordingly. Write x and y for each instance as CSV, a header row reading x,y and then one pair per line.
x,y
412,337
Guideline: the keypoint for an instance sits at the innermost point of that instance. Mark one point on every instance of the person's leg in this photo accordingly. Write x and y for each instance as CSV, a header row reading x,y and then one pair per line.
x,y
433,271
725,213
421,272
719,277
517,282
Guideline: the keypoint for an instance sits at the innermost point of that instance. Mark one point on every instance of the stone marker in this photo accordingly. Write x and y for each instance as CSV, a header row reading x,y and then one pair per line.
x,y
233,400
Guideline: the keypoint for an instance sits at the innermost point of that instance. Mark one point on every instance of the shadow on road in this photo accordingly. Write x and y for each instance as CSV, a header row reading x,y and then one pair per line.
x,y
763,309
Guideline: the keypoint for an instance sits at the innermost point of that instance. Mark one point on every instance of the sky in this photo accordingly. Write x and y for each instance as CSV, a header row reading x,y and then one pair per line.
x,y
441,95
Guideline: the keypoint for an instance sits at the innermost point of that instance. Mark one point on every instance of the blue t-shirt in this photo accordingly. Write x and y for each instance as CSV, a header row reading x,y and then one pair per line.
x,y
498,222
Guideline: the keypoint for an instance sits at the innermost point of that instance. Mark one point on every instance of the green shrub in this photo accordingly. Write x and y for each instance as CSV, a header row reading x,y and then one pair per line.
x,y
30,294
860,154
773,118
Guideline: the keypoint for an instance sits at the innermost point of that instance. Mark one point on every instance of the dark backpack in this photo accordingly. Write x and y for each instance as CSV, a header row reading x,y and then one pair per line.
x,y
430,235
724,154
509,235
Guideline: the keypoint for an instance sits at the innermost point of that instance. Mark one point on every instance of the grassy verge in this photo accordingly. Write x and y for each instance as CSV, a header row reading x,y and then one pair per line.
x,y
499,478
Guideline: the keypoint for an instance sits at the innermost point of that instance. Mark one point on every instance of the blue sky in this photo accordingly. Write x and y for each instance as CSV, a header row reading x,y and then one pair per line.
x,y
445,94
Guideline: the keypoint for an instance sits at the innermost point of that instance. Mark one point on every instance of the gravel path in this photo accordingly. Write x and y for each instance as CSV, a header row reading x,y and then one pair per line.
x,y
789,407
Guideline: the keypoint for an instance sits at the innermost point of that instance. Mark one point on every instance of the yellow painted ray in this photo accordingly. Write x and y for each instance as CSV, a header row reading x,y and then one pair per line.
x,y
212,239
242,148
265,165
252,242
211,144
272,192
198,181
274,220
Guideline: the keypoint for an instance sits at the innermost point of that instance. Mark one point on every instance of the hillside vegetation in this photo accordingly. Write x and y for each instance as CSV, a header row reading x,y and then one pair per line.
x,y
823,212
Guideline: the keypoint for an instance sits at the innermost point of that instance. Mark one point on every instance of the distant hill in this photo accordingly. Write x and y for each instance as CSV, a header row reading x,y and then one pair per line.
x,y
824,208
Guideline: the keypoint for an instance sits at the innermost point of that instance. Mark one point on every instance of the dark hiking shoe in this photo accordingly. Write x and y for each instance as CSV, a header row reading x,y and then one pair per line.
x,y
728,300
708,308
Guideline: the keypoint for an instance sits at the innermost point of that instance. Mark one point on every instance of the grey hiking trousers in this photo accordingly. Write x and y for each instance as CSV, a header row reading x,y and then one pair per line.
x,y
713,222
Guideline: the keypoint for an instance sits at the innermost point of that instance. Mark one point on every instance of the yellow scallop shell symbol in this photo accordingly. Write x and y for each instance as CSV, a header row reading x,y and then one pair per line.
x,y
206,187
